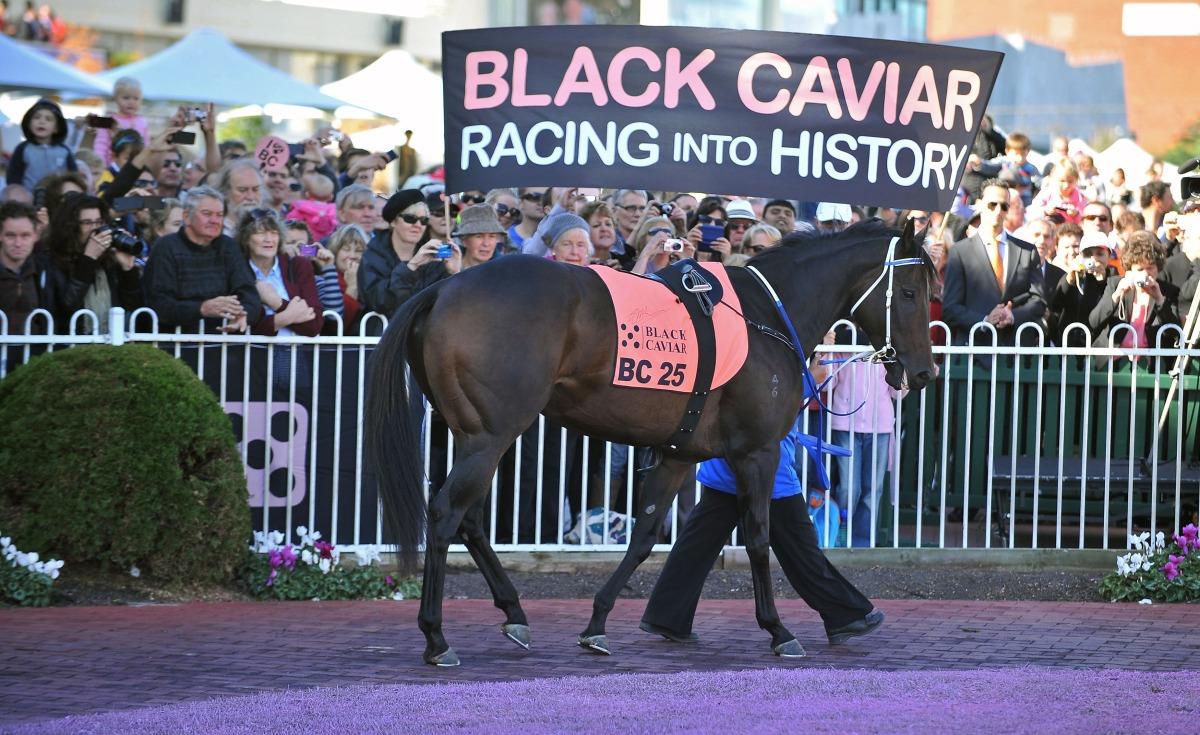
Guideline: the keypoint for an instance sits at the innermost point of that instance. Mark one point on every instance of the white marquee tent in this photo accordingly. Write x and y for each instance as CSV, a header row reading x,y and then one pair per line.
x,y
205,66
24,68
397,86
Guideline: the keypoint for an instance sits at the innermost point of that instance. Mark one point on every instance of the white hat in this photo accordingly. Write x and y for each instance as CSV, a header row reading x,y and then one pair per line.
x,y
739,209
1093,240
830,211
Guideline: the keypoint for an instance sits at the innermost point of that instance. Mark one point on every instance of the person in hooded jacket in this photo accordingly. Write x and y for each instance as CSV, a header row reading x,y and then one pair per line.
x,y
43,152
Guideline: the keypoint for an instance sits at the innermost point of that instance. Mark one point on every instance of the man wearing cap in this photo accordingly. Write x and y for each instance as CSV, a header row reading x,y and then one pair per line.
x,y
1078,292
395,267
780,214
833,217
739,217
992,276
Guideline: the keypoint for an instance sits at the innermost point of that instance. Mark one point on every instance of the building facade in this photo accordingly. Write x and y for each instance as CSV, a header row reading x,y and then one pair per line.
x,y
1159,92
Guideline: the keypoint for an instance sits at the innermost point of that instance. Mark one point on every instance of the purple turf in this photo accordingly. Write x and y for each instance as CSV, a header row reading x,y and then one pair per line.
x,y
1009,701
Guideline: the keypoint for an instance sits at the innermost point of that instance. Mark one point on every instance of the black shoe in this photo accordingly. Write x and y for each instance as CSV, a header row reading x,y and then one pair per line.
x,y
859,627
668,634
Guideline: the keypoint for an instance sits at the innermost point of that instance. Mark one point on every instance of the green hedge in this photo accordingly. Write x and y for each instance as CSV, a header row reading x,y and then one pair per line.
x,y
121,455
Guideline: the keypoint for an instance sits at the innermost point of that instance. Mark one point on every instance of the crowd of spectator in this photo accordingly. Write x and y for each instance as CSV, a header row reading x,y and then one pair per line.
x,y
104,211
33,23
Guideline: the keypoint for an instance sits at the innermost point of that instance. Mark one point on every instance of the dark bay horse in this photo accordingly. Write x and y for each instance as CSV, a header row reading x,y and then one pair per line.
x,y
496,345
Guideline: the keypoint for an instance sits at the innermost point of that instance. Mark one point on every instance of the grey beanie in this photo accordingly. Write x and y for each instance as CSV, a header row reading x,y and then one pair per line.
x,y
560,224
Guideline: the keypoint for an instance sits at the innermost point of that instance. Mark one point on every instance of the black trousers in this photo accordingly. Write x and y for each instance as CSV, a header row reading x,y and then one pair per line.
x,y
672,604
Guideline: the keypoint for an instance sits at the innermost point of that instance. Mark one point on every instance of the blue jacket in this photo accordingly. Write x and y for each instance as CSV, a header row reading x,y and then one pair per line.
x,y
715,473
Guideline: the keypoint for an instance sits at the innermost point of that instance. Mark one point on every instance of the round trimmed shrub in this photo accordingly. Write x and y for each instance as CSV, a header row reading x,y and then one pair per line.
x,y
121,455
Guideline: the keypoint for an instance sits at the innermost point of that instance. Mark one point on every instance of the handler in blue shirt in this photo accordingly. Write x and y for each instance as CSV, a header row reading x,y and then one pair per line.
x,y
671,608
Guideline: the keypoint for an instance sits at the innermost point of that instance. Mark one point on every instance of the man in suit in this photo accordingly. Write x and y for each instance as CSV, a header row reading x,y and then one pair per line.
x,y
992,276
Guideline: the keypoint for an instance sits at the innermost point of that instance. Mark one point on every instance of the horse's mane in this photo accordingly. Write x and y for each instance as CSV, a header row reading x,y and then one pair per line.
x,y
833,243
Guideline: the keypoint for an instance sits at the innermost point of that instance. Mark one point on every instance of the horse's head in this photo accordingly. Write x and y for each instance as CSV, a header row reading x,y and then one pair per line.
x,y
908,273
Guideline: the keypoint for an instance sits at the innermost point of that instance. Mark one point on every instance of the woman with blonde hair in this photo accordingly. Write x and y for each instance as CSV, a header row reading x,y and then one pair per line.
x,y
651,242
339,285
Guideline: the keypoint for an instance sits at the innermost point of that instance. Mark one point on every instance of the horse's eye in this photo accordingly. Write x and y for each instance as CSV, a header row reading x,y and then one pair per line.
x,y
908,293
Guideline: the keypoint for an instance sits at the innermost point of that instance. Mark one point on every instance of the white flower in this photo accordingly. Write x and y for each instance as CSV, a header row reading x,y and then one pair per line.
x,y
5,541
22,559
33,557
134,571
306,556
326,565
398,596
53,574
1139,541
277,538
1145,601
1160,540
301,531
1123,566
314,537
367,555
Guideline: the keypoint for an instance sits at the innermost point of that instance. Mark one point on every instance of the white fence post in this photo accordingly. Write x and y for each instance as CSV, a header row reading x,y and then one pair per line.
x,y
116,326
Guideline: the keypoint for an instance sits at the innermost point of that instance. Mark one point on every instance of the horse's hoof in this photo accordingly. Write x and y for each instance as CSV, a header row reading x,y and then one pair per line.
x,y
445,658
517,633
790,649
595,643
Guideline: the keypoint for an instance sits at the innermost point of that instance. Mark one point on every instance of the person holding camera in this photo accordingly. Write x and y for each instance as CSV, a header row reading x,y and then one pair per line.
x,y
1137,298
395,267
657,246
88,263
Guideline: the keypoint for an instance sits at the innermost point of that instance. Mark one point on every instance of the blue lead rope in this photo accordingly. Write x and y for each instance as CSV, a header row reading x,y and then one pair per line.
x,y
813,445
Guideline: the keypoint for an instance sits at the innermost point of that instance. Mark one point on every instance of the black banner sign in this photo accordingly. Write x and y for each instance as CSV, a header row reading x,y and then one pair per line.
x,y
799,116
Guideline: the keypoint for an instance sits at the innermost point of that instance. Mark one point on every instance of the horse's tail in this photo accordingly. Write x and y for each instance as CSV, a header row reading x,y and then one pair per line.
x,y
392,424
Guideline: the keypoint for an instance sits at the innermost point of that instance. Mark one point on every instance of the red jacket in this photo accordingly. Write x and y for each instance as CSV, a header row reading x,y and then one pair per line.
x,y
300,281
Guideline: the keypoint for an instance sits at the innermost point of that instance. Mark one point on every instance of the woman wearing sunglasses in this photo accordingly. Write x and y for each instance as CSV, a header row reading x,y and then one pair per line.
x,y
508,211
653,240
706,231
396,265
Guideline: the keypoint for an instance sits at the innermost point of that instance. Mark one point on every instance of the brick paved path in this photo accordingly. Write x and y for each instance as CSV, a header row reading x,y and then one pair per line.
x,y
75,660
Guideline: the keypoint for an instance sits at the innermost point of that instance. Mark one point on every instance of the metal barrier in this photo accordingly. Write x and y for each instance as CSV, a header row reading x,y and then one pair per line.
x,y
1013,447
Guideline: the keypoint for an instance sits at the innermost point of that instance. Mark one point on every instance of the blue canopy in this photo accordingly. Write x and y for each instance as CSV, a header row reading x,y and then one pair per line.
x,y
205,66
23,67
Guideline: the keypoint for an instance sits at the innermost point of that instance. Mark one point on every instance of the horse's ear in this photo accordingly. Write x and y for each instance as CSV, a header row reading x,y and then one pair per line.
x,y
907,242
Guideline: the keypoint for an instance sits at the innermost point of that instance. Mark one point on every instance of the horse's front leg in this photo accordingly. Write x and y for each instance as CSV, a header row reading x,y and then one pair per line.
x,y
661,486
755,474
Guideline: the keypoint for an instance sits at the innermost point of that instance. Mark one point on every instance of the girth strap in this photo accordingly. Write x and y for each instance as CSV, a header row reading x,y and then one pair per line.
x,y
697,287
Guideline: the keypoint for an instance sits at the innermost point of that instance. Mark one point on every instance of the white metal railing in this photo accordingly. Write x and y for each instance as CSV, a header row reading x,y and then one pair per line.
x,y
1045,447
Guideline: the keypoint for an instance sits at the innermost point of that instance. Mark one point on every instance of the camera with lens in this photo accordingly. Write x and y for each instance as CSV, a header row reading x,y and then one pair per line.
x,y
673,246
1189,186
198,114
1089,265
666,208
1140,280
336,136
124,241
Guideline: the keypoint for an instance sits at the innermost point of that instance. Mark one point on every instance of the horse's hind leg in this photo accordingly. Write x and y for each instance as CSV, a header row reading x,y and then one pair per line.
x,y
755,476
660,488
504,594
467,483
